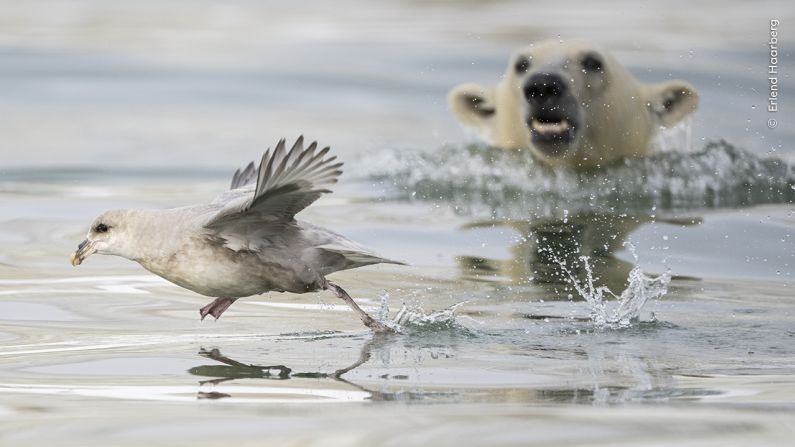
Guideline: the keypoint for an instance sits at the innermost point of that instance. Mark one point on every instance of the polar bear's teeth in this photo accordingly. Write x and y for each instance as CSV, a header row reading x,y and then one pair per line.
x,y
558,127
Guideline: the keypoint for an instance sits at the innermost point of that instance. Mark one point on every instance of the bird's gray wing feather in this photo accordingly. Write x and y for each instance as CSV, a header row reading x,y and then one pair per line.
x,y
286,183
244,177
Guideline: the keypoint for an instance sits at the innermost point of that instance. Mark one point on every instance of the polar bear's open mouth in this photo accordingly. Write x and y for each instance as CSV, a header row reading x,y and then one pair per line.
x,y
552,133
556,130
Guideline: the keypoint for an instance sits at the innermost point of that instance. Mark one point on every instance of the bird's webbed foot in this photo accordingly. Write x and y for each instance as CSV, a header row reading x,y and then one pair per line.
x,y
216,308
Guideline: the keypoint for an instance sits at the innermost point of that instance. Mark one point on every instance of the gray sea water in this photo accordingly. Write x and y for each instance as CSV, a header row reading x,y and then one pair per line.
x,y
510,334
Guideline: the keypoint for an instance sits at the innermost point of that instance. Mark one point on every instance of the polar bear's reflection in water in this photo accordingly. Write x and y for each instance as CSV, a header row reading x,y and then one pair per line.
x,y
544,244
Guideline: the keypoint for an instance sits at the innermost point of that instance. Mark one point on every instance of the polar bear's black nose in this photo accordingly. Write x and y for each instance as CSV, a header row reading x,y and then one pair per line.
x,y
544,87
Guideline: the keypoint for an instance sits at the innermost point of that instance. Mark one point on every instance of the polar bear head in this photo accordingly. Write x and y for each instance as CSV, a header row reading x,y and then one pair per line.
x,y
571,104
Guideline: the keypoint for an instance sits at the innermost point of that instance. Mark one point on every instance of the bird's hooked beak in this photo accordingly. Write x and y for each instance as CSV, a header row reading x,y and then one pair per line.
x,y
84,250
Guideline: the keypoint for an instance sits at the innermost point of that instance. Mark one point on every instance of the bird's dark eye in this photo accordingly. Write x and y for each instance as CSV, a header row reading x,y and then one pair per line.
x,y
101,228
591,63
522,65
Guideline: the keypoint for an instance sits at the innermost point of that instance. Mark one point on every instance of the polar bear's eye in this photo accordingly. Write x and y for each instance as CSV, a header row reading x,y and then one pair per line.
x,y
591,62
522,65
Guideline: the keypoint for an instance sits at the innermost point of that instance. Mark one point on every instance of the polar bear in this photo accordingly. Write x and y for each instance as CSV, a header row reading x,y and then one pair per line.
x,y
571,104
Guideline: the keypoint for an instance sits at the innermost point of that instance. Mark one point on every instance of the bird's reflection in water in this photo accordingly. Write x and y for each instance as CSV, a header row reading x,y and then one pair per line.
x,y
544,244
609,374
231,369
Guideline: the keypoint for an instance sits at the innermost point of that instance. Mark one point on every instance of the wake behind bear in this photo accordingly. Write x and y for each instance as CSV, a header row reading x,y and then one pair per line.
x,y
571,104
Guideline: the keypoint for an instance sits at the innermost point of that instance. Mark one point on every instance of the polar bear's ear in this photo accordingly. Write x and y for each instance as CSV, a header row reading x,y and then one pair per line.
x,y
672,101
475,107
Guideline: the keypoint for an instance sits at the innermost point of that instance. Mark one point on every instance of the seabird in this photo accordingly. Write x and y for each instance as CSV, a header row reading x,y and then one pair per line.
x,y
246,241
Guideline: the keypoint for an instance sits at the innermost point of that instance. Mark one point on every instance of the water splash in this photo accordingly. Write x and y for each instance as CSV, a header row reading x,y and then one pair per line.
x,y
410,319
478,180
679,137
625,309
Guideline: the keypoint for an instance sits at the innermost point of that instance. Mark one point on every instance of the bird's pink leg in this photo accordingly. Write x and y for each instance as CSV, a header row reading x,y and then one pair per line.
x,y
216,308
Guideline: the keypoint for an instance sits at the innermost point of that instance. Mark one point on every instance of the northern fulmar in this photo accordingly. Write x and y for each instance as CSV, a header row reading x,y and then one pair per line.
x,y
246,241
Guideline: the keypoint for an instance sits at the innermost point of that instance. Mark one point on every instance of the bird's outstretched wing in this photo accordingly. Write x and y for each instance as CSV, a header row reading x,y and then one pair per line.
x,y
244,177
286,183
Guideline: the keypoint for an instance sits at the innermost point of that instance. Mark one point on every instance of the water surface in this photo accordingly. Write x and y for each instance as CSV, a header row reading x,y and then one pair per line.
x,y
154,104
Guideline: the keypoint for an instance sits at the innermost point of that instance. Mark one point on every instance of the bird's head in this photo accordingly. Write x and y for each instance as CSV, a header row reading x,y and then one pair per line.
x,y
108,235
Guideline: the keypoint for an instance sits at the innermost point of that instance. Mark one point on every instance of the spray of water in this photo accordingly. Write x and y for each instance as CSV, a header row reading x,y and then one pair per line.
x,y
414,318
622,310
480,180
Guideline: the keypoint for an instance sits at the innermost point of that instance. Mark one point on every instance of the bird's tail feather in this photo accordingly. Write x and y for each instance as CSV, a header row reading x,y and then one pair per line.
x,y
358,258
